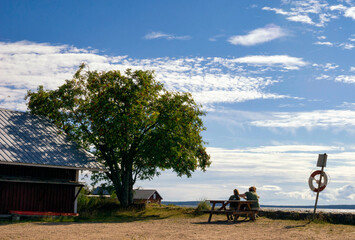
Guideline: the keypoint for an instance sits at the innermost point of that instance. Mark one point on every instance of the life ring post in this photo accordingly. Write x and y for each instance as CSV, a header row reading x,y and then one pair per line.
x,y
323,164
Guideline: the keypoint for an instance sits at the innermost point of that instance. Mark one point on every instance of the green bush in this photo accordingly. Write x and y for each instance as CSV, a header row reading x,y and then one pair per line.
x,y
94,207
202,206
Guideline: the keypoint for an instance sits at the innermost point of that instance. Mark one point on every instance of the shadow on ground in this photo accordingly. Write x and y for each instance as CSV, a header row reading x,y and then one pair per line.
x,y
298,226
222,222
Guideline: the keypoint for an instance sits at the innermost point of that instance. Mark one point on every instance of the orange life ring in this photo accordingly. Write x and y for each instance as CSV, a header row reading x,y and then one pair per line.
x,y
323,183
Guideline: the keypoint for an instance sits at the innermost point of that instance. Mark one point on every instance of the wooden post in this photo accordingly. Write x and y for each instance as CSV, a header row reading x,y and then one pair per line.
x,y
319,184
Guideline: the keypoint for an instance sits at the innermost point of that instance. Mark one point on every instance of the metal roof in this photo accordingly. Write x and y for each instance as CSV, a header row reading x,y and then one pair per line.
x,y
26,139
144,193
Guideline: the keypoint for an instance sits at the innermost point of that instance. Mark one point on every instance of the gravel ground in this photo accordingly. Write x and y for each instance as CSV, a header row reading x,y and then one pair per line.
x,y
179,228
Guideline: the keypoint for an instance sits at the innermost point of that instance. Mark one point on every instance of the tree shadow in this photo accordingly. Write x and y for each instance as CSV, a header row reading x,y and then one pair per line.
x,y
108,220
297,226
223,222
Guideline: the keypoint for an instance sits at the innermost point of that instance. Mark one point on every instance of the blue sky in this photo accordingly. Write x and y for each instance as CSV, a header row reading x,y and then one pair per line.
x,y
276,78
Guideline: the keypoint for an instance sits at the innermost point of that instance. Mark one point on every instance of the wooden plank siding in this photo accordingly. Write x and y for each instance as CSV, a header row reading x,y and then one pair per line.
x,y
36,197
27,196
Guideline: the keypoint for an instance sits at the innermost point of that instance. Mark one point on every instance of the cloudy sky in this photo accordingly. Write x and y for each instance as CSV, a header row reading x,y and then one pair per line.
x,y
276,77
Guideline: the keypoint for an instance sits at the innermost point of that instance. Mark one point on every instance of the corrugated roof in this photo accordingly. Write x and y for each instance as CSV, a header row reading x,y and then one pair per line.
x,y
144,193
27,139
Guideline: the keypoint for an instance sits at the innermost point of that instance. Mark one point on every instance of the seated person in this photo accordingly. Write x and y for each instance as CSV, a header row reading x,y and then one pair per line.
x,y
251,195
235,196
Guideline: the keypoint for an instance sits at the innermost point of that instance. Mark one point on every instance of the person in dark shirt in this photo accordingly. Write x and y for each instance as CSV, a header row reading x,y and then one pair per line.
x,y
235,196
234,205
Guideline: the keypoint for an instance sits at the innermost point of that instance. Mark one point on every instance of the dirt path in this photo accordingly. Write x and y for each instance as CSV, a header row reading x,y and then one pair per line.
x,y
191,228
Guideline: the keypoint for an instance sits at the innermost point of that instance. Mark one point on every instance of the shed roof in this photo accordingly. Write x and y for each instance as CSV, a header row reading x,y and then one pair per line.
x,y
100,191
26,139
144,193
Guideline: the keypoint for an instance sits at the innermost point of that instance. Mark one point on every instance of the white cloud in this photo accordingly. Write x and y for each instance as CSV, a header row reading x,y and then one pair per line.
x,y
347,46
276,10
301,18
308,120
346,192
330,66
292,148
322,37
283,60
258,36
326,67
312,12
157,35
338,7
345,78
330,194
279,170
350,12
347,105
270,188
324,43
25,65
299,195
352,69
323,76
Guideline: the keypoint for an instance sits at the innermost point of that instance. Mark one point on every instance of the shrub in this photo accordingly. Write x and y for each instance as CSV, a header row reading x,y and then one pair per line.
x,y
202,206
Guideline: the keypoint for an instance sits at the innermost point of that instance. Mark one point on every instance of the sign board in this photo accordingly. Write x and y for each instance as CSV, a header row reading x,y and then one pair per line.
x,y
322,160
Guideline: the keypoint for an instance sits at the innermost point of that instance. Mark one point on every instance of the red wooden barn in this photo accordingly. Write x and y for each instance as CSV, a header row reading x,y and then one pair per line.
x,y
39,167
146,196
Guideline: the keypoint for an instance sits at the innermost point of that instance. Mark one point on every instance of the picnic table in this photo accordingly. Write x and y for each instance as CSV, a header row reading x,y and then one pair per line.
x,y
232,212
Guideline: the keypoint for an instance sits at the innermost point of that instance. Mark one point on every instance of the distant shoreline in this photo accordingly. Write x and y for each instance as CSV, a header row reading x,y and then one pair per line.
x,y
341,207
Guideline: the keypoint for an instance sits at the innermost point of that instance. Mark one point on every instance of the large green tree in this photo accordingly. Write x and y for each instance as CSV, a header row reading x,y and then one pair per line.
x,y
132,124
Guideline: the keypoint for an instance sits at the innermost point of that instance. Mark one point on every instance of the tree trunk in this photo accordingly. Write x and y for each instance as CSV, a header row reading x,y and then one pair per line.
x,y
122,180
130,193
126,196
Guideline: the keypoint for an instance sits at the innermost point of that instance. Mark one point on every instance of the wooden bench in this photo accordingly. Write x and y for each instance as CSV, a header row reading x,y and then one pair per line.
x,y
232,214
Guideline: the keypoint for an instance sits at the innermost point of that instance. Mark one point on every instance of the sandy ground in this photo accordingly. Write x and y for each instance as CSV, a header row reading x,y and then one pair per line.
x,y
191,228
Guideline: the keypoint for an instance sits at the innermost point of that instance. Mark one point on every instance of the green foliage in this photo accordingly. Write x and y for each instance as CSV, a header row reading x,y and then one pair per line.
x,y
202,206
134,126
94,207
106,210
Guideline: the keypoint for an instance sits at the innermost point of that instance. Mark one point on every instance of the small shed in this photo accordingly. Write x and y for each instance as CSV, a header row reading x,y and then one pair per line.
x,y
39,166
146,196
99,192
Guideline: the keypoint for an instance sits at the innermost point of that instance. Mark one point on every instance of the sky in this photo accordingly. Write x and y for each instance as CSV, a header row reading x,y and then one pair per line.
x,y
275,77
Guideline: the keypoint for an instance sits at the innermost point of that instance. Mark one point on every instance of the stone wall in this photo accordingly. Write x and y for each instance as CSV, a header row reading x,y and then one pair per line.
x,y
337,218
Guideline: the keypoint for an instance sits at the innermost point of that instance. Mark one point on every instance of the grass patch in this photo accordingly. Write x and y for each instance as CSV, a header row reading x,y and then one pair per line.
x,y
202,206
103,209
114,213
109,210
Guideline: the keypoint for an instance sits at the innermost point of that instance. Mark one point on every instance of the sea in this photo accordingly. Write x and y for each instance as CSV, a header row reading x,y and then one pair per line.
x,y
323,208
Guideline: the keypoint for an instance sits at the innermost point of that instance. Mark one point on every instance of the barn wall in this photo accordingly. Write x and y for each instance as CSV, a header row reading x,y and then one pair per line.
x,y
36,197
76,192
44,197
157,200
